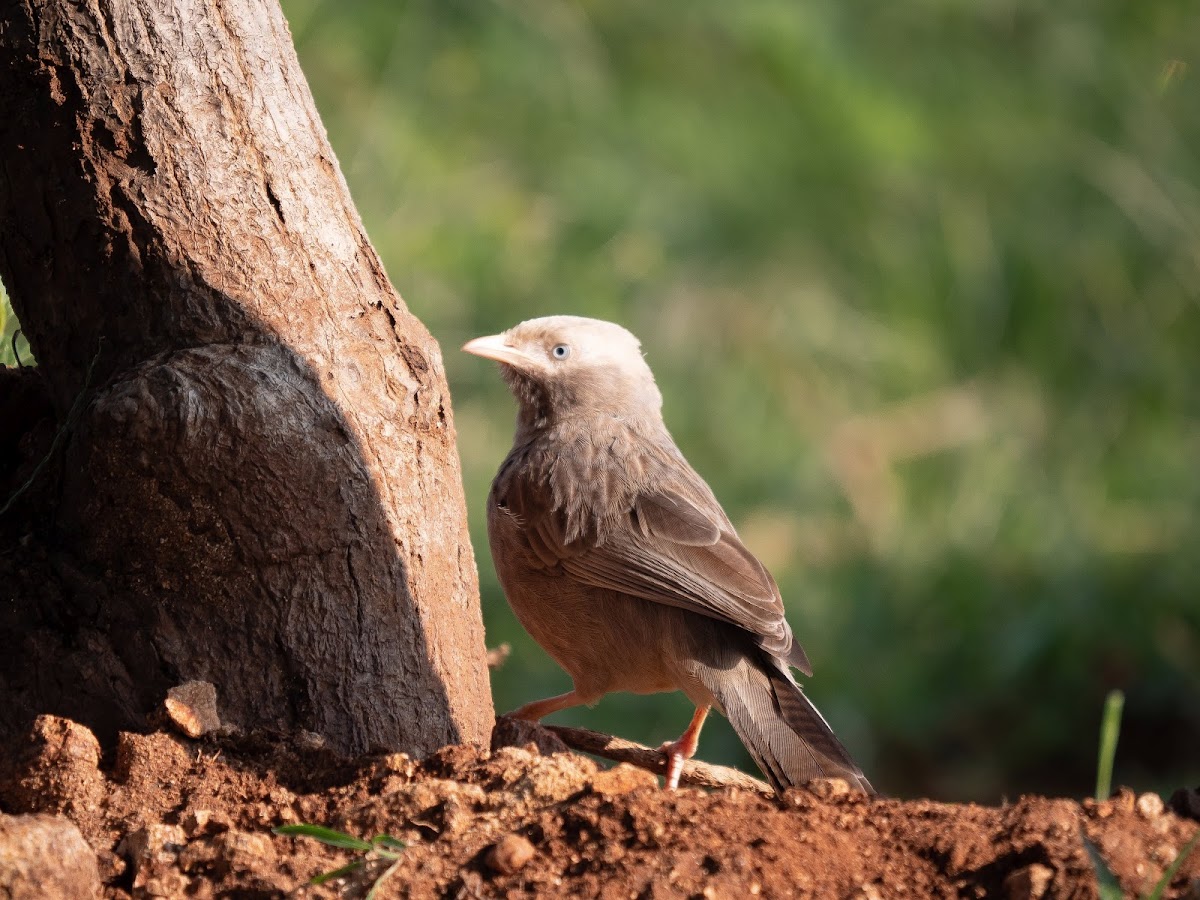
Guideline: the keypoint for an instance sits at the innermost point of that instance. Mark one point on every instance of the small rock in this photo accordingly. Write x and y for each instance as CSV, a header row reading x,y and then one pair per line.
x,y
1150,806
195,821
69,740
1028,883
44,858
622,779
509,854
192,707
243,851
828,788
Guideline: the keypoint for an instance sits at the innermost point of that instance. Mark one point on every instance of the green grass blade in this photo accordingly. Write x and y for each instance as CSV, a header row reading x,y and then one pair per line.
x,y
337,873
389,842
325,836
1110,729
1159,888
380,880
1107,885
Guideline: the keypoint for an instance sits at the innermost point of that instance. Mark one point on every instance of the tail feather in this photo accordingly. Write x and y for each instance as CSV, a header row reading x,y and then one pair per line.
x,y
788,738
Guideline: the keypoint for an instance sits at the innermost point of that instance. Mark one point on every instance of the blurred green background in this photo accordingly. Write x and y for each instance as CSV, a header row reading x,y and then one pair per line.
x,y
920,285
14,349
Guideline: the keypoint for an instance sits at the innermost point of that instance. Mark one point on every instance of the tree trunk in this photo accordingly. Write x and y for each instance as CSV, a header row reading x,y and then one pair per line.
x,y
262,488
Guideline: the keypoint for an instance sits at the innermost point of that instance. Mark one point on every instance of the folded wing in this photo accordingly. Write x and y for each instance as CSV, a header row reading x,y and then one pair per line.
x,y
674,546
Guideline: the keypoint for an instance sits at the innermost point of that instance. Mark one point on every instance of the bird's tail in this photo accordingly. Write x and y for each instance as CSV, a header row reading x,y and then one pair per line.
x,y
791,742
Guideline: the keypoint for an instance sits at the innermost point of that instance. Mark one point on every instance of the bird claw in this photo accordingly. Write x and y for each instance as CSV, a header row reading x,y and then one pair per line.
x,y
675,758
683,749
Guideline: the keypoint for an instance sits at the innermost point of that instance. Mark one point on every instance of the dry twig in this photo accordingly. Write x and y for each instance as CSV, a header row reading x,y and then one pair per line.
x,y
695,773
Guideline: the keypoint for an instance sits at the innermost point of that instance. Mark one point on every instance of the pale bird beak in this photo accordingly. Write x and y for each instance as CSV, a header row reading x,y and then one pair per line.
x,y
494,347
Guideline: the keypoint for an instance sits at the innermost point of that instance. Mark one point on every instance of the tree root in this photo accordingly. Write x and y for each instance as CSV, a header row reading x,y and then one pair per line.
x,y
695,773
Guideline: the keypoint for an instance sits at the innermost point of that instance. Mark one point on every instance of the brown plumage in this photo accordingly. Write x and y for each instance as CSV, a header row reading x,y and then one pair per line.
x,y
618,559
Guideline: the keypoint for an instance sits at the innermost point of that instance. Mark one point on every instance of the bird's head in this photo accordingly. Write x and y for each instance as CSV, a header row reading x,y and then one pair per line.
x,y
566,366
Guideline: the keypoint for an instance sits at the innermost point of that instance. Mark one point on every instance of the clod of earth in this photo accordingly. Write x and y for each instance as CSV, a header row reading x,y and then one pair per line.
x,y
169,817
192,708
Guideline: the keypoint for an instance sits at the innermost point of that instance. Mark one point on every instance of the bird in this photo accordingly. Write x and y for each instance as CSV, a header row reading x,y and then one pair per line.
x,y
617,558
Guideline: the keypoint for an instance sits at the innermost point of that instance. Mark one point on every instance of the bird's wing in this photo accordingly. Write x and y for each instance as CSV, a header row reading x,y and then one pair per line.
x,y
674,545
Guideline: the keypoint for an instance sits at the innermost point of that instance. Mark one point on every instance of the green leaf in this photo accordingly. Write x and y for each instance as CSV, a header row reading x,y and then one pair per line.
x,y
1159,888
1110,730
325,836
1107,885
338,872
386,840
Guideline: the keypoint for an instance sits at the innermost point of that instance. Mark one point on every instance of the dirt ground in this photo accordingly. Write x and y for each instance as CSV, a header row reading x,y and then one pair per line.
x,y
171,817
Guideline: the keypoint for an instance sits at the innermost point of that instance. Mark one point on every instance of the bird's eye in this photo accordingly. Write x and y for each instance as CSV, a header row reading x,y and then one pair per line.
x,y
560,351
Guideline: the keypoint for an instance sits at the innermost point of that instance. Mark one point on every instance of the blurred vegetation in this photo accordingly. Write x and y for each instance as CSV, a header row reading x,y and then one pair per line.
x,y
12,352
919,283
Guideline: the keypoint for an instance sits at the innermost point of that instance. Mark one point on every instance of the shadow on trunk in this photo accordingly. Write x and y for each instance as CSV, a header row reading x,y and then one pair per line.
x,y
261,488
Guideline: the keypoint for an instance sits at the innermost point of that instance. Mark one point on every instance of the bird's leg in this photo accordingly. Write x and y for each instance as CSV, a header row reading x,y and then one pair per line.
x,y
539,709
684,748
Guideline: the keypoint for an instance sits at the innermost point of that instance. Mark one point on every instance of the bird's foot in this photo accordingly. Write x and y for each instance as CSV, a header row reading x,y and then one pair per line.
x,y
683,749
675,758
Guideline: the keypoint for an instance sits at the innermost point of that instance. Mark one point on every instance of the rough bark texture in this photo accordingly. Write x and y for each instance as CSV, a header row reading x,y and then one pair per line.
x,y
262,490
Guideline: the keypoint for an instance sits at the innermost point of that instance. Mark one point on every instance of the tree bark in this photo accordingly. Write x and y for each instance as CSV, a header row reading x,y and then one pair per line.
x,y
262,489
